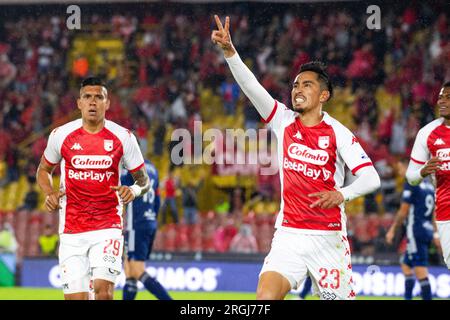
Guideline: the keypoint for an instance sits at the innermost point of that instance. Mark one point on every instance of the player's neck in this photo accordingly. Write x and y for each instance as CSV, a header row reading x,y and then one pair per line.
x,y
447,122
312,118
93,127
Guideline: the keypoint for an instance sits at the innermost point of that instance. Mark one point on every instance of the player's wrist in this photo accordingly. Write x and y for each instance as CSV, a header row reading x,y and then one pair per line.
x,y
137,190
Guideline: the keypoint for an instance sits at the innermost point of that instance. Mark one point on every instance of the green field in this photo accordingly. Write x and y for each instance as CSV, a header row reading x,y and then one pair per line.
x,y
17,293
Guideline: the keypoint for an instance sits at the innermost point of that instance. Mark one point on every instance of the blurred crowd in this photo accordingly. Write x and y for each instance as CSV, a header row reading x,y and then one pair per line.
x,y
170,75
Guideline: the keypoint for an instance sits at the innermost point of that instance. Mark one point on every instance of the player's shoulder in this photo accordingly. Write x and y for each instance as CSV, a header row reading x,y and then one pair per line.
x,y
67,128
337,126
430,127
287,112
117,129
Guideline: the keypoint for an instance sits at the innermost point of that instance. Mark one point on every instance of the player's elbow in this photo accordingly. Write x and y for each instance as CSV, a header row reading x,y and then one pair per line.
x,y
376,182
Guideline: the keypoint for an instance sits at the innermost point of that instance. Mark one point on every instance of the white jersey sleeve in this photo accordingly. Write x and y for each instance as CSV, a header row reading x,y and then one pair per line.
x,y
52,152
350,150
271,111
132,156
420,152
254,91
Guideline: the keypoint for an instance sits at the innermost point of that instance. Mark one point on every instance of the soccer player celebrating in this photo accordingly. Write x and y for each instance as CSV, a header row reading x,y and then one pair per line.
x,y
141,226
90,198
416,209
431,156
313,150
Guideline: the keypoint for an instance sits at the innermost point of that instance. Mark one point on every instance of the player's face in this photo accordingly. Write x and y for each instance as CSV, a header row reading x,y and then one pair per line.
x,y
444,102
306,92
93,103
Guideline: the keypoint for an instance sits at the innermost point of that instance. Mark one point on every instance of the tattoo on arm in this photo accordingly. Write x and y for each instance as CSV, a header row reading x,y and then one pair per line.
x,y
141,179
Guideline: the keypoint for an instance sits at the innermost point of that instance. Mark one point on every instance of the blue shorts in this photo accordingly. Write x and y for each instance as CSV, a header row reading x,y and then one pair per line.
x,y
418,257
139,243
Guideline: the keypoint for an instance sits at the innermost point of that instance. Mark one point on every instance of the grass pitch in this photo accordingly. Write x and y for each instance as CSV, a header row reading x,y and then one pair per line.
x,y
19,293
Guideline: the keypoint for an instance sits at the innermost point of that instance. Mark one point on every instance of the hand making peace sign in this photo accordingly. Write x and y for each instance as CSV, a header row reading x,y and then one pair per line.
x,y
222,37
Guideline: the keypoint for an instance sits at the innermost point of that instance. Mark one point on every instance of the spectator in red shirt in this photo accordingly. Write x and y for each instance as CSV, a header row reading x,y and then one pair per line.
x,y
170,186
244,241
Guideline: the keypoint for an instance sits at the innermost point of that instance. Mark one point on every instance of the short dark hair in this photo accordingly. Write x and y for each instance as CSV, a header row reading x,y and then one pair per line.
x,y
447,84
319,68
92,81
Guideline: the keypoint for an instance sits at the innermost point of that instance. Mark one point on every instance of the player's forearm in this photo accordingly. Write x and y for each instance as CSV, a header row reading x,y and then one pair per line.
x,y
141,182
401,215
413,174
44,180
256,93
367,181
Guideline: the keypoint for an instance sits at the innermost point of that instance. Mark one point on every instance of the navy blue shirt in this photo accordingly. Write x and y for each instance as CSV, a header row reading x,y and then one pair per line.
x,y
422,201
142,213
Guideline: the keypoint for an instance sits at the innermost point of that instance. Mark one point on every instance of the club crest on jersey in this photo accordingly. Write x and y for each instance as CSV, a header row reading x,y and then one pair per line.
x,y
108,145
324,142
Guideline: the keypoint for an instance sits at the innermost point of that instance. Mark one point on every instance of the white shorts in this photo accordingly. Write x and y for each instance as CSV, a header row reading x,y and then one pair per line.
x,y
444,237
81,253
325,258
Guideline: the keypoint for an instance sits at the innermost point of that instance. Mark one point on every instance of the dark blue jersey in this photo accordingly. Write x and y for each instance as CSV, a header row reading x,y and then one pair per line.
x,y
421,200
142,213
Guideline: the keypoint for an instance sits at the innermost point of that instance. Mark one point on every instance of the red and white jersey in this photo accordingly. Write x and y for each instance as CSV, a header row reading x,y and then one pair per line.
x,y
89,166
434,140
312,159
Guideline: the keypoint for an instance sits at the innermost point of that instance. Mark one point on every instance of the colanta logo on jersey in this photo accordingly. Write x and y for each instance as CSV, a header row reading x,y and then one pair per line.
x,y
91,162
443,154
306,154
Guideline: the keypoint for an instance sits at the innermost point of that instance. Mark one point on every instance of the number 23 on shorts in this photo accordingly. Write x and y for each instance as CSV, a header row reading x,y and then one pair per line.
x,y
331,277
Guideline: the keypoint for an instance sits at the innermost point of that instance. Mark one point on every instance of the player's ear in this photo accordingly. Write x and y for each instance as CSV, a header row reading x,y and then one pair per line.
x,y
108,102
324,96
79,103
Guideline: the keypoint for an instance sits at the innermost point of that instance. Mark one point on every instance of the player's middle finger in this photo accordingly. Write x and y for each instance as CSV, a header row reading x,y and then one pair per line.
x,y
318,203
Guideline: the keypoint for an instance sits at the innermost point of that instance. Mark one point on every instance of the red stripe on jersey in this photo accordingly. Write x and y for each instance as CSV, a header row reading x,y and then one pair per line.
x,y
49,162
417,161
137,168
275,107
361,166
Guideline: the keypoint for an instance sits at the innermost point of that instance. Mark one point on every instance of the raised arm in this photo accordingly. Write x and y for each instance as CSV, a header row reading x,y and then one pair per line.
x,y
256,93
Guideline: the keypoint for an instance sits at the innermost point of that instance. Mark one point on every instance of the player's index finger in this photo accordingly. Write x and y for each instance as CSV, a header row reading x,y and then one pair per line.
x,y
315,194
114,187
219,24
